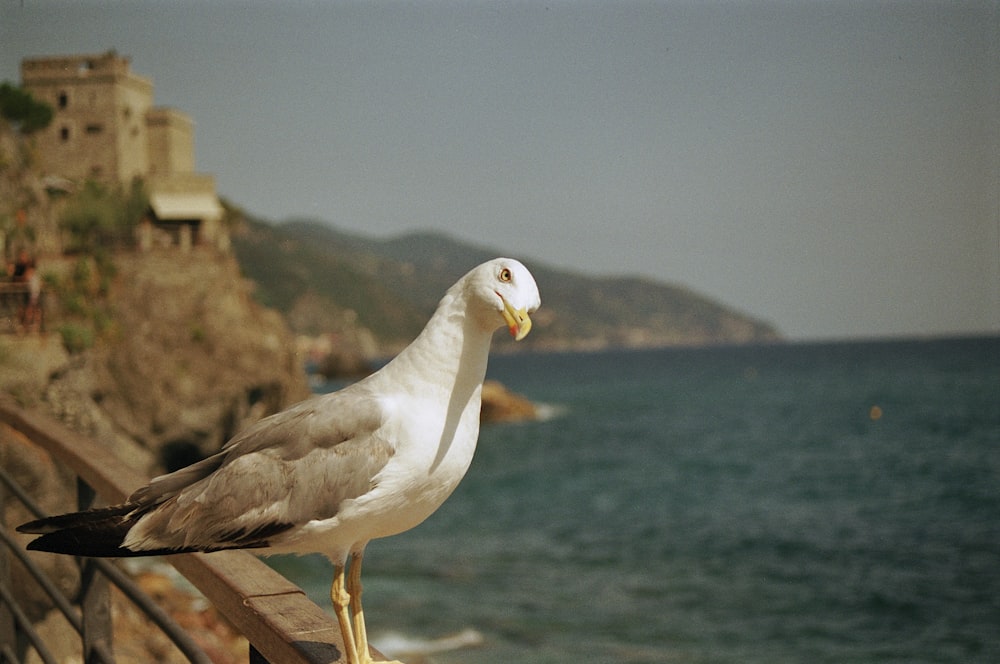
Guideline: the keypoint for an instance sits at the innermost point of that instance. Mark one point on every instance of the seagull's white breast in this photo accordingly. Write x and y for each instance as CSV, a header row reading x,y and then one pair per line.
x,y
432,454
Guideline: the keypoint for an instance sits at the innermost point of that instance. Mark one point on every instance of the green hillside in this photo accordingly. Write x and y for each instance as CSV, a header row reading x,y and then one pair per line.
x,y
320,277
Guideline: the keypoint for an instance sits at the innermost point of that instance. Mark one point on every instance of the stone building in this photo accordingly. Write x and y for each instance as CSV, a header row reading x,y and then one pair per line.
x,y
106,128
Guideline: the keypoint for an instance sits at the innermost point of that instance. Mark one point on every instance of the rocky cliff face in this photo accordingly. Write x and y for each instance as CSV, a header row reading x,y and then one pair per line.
x,y
195,358
187,360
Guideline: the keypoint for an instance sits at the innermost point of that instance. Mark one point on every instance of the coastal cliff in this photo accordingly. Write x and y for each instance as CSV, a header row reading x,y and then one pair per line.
x,y
193,357
182,359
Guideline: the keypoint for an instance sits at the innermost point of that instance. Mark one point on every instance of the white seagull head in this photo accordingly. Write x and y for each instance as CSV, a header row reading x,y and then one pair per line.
x,y
508,289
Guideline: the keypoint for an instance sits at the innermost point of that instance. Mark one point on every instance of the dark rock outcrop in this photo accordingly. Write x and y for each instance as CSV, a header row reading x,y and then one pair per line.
x,y
502,405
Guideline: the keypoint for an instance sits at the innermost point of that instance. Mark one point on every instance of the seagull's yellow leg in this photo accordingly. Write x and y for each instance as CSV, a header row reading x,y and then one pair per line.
x,y
357,614
342,602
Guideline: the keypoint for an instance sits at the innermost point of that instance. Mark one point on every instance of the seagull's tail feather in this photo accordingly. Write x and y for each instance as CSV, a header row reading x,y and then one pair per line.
x,y
101,533
97,533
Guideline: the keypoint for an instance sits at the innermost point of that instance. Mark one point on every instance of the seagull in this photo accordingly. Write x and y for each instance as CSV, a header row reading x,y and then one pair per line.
x,y
333,472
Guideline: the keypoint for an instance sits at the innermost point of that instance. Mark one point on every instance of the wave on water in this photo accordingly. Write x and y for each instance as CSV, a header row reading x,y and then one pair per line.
x,y
397,644
545,412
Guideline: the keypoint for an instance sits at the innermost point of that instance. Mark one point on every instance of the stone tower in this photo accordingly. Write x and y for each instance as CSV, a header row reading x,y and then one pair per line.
x,y
99,130
106,128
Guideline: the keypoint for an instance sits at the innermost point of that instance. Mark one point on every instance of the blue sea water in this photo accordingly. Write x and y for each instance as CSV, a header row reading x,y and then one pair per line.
x,y
788,503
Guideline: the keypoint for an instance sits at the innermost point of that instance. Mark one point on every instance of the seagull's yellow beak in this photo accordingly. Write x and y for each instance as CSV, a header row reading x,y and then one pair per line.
x,y
518,321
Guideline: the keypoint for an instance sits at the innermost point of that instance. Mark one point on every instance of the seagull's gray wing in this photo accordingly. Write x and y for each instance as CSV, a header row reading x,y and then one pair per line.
x,y
281,473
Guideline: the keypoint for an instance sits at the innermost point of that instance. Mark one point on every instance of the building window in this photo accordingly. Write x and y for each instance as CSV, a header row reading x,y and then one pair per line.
x,y
64,134
94,128
63,100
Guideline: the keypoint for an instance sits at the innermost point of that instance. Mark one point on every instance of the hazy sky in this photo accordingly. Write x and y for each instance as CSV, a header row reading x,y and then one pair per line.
x,y
832,167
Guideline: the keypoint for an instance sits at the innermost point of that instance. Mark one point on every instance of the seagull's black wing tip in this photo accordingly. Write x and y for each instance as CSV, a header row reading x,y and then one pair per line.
x,y
99,532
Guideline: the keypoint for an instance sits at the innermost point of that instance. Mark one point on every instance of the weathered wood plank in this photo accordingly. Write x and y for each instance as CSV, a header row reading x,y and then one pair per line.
x,y
277,617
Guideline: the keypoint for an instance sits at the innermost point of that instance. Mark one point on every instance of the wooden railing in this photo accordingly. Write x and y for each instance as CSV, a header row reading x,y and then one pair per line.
x,y
280,622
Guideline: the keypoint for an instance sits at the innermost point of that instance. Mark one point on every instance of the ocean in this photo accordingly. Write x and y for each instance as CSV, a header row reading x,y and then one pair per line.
x,y
789,503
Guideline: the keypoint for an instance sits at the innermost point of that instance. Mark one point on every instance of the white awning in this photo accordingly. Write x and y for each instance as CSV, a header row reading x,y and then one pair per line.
x,y
167,206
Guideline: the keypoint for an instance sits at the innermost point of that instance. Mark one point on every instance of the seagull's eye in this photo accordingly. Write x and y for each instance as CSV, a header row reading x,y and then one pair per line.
x,y
505,274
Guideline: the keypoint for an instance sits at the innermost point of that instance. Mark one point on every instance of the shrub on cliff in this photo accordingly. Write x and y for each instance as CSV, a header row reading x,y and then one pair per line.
x,y
81,308
100,216
23,111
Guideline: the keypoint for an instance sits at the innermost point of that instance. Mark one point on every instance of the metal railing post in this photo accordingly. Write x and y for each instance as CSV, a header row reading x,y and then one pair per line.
x,y
95,596
9,634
